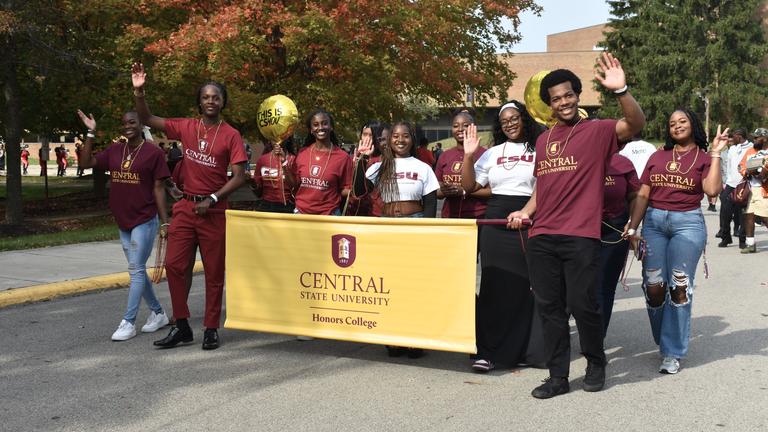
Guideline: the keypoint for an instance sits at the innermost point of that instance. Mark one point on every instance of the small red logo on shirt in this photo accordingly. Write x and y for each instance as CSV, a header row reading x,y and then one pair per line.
x,y
343,249
456,167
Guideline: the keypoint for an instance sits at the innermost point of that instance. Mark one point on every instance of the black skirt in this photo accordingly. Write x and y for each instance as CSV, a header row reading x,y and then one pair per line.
x,y
508,330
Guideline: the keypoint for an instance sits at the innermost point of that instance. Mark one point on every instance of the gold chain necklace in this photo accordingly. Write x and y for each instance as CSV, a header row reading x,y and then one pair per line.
x,y
555,152
131,156
317,158
673,166
204,145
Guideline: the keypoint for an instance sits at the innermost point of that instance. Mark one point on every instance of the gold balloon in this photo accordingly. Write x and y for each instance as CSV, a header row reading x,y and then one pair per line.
x,y
277,118
540,111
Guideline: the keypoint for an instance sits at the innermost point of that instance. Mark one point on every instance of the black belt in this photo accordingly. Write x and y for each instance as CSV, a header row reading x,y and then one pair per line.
x,y
196,198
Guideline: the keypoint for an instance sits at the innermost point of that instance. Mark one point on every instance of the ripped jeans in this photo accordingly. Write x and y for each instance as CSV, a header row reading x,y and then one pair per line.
x,y
137,246
675,241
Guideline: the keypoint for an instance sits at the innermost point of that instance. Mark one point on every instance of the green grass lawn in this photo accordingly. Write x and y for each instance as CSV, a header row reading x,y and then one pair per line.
x,y
33,186
97,232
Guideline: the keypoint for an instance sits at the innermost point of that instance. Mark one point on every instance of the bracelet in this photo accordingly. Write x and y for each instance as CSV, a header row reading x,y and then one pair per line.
x,y
138,93
165,224
214,198
631,231
622,91
90,135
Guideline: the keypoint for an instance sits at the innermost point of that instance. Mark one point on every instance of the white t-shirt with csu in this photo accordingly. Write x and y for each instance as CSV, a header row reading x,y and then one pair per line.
x,y
414,178
508,168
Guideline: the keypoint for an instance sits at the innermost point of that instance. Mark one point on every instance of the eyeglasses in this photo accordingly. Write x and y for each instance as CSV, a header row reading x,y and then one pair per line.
x,y
511,121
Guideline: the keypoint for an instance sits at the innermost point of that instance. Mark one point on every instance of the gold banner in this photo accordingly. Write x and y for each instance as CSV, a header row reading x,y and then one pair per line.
x,y
404,282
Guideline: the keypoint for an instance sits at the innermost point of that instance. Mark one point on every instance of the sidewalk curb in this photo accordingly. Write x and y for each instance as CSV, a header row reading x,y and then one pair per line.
x,y
37,293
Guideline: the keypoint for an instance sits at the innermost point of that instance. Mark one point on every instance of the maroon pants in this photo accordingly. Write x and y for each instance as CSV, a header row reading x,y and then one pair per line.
x,y
186,231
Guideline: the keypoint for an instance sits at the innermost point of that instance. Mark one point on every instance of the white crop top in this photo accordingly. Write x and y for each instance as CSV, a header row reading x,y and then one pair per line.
x,y
508,168
414,178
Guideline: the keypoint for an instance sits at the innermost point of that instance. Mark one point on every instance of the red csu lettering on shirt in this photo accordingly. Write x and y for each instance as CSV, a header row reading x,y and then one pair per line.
x,y
508,159
672,178
270,173
206,159
407,175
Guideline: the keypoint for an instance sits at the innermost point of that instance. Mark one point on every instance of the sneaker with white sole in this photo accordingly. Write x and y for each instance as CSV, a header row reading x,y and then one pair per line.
x,y
669,365
155,321
483,366
124,331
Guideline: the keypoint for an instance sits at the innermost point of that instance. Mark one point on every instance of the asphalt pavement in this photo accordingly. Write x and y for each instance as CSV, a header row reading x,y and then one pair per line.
x,y
59,371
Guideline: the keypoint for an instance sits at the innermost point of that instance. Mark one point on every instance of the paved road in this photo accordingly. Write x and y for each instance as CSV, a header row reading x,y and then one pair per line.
x,y
60,371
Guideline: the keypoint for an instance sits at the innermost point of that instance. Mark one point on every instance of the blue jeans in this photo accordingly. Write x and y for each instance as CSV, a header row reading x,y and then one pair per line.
x,y
137,246
674,241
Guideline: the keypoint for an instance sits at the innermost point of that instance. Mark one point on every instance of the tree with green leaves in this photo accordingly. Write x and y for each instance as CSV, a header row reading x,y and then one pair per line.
x,y
691,53
360,59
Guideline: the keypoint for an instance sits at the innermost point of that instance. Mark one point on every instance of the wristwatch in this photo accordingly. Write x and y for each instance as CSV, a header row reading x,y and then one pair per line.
x,y
631,232
214,198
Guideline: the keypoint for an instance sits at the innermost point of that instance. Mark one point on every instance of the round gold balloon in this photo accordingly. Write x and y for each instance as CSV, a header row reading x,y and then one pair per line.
x,y
540,111
277,118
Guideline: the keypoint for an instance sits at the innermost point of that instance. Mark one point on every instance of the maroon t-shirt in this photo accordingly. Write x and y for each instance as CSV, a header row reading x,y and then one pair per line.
x,y
321,177
131,194
620,180
448,170
205,168
676,184
570,178
266,174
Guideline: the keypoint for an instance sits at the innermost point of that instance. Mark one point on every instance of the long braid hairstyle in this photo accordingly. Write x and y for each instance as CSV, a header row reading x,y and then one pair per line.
x,y
387,176
699,136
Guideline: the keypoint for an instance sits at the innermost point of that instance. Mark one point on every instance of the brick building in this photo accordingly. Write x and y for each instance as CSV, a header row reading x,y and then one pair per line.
x,y
575,50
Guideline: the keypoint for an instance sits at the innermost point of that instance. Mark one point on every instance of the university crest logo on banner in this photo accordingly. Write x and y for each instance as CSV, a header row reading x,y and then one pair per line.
x,y
343,249
314,170
456,167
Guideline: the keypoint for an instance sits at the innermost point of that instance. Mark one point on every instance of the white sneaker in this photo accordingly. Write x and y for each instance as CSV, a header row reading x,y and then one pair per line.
x,y
124,331
669,365
155,321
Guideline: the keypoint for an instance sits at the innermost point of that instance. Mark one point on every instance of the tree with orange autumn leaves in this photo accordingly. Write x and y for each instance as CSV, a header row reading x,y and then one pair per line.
x,y
360,59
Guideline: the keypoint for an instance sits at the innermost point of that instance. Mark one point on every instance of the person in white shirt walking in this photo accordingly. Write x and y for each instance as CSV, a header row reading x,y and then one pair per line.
x,y
728,211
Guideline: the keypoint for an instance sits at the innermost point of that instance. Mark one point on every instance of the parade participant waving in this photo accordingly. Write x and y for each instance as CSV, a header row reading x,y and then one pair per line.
x,y
505,304
564,246
322,172
136,197
669,204
407,186
210,145
369,204
458,202
268,180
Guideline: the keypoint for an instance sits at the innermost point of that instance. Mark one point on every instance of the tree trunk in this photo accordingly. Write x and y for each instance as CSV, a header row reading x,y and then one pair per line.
x,y
13,202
